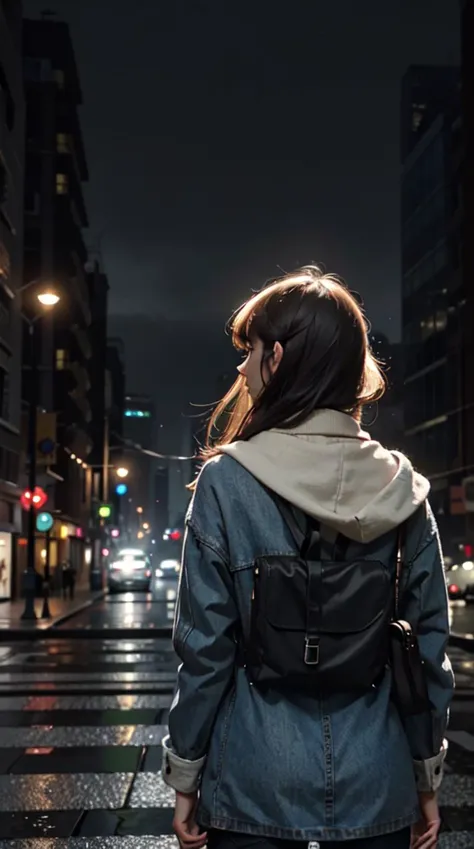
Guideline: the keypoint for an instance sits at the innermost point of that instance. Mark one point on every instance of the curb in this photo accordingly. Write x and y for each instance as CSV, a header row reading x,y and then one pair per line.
x,y
71,613
9,634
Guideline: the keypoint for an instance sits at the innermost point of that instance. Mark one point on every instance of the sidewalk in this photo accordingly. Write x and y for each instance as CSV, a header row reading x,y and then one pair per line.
x,y
11,611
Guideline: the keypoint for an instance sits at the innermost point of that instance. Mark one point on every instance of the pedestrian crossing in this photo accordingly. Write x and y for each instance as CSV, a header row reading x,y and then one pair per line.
x,y
80,750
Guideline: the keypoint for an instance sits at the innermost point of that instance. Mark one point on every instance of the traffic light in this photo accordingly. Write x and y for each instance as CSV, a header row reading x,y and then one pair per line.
x,y
104,511
33,500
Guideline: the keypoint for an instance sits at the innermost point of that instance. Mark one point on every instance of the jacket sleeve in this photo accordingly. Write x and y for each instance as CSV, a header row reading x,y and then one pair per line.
x,y
204,640
425,606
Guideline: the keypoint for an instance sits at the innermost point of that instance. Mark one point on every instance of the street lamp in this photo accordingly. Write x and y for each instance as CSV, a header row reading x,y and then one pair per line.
x,y
46,298
121,472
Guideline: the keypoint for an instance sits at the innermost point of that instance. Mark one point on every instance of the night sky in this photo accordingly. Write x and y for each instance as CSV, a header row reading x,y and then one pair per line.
x,y
229,140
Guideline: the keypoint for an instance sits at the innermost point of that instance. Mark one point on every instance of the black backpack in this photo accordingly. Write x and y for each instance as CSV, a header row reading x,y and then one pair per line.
x,y
318,625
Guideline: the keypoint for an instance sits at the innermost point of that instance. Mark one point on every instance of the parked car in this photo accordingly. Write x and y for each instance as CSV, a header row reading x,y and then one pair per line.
x,y
129,570
460,582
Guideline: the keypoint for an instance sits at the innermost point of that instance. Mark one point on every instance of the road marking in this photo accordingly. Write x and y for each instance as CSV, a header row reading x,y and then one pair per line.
x,y
462,738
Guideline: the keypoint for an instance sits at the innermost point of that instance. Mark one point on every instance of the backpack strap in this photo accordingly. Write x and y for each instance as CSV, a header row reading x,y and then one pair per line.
x,y
309,545
308,541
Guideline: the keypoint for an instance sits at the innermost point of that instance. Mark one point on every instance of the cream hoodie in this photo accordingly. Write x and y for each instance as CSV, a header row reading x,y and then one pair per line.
x,y
334,471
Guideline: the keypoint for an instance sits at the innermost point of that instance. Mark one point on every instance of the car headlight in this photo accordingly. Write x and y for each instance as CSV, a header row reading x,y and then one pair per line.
x,y
170,565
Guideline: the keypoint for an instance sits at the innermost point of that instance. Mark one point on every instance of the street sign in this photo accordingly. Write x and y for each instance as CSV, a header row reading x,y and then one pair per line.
x,y
44,522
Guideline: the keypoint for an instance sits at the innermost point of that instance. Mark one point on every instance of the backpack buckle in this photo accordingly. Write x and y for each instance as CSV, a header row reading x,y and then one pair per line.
x,y
311,651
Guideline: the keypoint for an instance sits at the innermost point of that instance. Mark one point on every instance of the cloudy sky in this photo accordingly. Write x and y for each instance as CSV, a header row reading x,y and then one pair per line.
x,y
230,140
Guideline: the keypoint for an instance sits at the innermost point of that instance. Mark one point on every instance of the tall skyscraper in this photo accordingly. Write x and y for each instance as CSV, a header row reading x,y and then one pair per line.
x,y
434,289
70,355
11,251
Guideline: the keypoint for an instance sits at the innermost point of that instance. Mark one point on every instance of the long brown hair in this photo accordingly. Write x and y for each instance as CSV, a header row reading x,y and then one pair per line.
x,y
327,362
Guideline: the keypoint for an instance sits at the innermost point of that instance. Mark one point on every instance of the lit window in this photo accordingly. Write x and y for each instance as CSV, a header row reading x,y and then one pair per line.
x,y
416,119
62,184
61,359
62,143
433,324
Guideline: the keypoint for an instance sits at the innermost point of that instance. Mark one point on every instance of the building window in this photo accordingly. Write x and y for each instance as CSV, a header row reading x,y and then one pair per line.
x,y
62,184
3,183
4,394
59,78
433,324
9,103
61,359
62,143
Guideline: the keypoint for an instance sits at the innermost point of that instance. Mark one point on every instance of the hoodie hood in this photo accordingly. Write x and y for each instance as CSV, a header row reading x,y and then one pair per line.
x,y
333,471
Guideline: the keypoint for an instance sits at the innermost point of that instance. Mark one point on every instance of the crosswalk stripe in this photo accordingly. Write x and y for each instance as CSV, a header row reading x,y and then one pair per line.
x,y
462,738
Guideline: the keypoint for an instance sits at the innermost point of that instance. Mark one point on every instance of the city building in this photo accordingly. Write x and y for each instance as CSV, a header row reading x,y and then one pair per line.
x,y
434,291
116,370
140,430
467,73
427,91
55,255
115,358
11,279
100,390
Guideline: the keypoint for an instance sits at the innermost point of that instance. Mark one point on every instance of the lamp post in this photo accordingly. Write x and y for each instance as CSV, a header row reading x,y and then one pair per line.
x,y
45,614
49,299
29,577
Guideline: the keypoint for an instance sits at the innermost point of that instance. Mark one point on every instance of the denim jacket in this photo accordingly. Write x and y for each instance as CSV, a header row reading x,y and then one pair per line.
x,y
297,767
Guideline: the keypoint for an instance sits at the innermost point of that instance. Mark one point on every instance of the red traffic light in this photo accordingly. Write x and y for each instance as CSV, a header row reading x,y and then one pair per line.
x,y
33,500
175,535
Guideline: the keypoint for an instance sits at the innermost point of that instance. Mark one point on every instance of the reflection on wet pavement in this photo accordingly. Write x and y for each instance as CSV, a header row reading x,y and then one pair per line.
x,y
80,750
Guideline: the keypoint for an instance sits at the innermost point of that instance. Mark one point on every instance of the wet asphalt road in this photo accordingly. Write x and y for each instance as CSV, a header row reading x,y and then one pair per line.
x,y
81,721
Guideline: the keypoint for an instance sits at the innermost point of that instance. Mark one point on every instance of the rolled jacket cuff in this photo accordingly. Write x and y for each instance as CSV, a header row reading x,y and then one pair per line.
x,y
178,773
429,773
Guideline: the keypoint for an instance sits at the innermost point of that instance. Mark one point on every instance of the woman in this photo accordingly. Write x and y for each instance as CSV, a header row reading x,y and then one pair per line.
x,y
266,766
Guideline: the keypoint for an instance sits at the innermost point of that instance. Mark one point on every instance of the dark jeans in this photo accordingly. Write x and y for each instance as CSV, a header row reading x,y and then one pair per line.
x,y
232,840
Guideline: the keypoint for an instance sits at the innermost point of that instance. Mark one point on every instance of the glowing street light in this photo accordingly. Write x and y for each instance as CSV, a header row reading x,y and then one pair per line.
x,y
139,509
122,472
48,299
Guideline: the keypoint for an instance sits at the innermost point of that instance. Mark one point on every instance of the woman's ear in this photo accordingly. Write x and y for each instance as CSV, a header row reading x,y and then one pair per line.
x,y
276,357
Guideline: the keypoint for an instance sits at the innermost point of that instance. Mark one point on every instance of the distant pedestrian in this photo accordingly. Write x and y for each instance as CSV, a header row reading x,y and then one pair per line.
x,y
72,581
288,726
68,580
